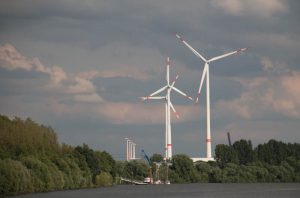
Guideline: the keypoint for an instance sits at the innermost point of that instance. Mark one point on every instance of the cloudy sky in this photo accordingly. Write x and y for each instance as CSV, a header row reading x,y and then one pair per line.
x,y
81,66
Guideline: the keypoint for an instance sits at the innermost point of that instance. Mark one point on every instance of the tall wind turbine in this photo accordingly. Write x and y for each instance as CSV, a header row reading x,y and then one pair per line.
x,y
205,73
168,104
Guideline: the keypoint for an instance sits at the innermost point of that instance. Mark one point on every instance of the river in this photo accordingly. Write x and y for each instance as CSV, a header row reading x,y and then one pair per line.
x,y
180,190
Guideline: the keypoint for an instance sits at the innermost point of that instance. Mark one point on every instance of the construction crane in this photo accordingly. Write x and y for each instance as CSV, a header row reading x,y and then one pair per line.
x,y
148,179
229,139
145,156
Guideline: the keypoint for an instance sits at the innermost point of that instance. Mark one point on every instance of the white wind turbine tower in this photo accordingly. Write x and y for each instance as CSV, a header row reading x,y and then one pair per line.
x,y
205,73
168,104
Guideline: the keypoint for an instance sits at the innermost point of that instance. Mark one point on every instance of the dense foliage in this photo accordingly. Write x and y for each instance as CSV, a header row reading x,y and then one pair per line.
x,y
274,161
32,160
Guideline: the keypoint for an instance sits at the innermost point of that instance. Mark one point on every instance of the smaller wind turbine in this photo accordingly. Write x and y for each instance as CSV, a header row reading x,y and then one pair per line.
x,y
168,104
205,73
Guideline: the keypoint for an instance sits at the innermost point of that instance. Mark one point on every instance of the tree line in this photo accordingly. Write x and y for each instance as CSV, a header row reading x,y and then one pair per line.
x,y
273,161
32,160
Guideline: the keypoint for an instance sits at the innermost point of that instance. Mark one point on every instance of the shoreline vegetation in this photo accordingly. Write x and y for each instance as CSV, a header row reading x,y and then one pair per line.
x,y
32,160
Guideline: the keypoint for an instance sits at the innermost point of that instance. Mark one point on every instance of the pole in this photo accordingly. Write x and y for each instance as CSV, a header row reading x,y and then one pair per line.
x,y
169,145
208,135
166,132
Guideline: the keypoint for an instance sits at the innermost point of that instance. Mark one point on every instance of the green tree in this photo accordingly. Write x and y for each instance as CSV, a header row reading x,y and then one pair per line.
x,y
105,162
183,166
244,151
204,171
120,168
103,179
41,163
295,164
260,171
225,154
173,176
215,175
42,178
136,169
294,150
14,178
90,157
230,173
273,152
156,158
56,175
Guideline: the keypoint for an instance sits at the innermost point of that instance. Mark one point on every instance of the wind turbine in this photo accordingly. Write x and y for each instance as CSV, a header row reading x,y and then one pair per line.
x,y
168,104
205,73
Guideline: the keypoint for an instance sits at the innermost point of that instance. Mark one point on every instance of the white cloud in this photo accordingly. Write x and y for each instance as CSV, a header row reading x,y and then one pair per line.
x,y
266,95
56,73
251,7
83,89
12,59
130,113
89,98
81,85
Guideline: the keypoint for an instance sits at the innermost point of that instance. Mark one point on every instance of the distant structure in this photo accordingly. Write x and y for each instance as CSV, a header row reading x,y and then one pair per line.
x,y
168,105
205,73
229,139
130,149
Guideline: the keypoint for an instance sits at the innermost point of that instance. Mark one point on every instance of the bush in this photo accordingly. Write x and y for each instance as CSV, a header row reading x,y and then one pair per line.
x,y
135,169
183,166
42,178
261,172
73,176
103,179
204,170
56,174
41,164
14,178
225,154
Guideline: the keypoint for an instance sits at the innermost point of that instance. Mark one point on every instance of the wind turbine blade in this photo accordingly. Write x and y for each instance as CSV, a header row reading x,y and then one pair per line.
x,y
228,54
157,97
158,91
143,98
168,71
153,98
180,92
173,82
201,82
191,48
172,107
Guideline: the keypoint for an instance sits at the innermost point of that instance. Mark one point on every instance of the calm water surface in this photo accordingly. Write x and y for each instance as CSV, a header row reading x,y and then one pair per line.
x,y
181,190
